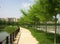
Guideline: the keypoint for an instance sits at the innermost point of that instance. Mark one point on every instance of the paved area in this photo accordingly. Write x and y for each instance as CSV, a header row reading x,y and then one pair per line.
x,y
26,37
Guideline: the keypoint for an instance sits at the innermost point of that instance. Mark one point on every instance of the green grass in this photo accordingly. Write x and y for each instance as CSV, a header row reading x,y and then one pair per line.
x,y
10,29
44,38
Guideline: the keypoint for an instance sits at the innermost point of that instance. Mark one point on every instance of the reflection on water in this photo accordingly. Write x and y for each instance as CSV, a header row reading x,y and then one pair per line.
x,y
3,35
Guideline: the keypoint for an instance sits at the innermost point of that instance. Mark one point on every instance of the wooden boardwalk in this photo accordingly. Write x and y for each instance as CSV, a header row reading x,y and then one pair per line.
x,y
25,37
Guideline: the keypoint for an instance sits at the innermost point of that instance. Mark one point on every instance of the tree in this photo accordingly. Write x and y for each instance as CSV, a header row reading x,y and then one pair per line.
x,y
52,7
24,13
40,13
44,10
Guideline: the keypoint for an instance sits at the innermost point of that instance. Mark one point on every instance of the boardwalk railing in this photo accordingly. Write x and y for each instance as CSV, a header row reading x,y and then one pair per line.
x,y
9,39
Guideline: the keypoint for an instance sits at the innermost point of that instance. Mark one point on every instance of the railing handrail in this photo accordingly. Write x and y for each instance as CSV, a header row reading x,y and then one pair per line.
x,y
13,35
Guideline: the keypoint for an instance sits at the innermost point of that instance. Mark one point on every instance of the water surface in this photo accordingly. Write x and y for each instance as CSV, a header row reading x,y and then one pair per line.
x,y
3,35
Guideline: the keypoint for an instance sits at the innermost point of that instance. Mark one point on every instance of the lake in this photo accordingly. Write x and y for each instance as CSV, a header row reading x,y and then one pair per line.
x,y
3,35
49,28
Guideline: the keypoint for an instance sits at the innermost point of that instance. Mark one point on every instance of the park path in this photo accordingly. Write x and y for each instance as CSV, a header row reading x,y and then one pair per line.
x,y
26,37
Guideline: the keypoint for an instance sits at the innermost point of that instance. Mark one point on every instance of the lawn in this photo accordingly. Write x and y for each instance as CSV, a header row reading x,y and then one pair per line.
x,y
44,38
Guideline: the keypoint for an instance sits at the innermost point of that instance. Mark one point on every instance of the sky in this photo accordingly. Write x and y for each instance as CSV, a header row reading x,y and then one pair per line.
x,y
11,8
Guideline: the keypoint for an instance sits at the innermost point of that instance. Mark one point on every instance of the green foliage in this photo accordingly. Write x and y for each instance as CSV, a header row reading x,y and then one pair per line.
x,y
3,22
10,29
2,27
24,13
41,11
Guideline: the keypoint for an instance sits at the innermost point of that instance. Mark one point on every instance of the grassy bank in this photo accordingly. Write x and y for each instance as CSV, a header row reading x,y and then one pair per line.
x,y
10,29
44,38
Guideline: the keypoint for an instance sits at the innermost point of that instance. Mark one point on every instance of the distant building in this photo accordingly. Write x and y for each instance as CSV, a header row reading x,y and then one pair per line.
x,y
9,19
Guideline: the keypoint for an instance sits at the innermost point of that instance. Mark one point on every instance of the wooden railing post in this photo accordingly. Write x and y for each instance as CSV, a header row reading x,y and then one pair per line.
x,y
7,40
0,42
10,38
18,30
13,36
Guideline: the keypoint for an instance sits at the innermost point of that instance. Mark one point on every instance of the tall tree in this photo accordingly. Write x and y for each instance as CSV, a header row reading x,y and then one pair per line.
x,y
53,8
44,10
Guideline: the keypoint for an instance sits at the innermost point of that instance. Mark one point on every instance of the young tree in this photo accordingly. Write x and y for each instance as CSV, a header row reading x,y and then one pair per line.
x,y
44,10
52,7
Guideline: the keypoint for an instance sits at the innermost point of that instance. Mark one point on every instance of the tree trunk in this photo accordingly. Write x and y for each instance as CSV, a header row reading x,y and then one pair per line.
x,y
55,29
46,27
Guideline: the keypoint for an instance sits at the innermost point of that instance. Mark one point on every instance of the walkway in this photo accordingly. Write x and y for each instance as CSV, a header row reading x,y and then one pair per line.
x,y
26,37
